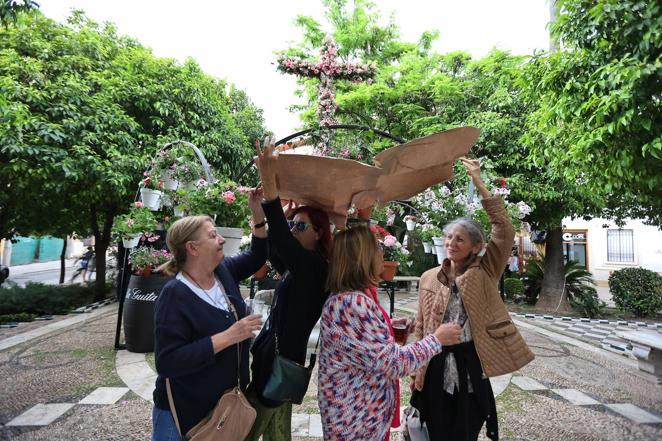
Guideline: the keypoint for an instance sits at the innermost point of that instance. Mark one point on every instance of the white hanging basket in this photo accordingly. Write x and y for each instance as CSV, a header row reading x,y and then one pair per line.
x,y
151,198
411,224
132,241
440,248
232,238
166,200
427,247
179,212
170,183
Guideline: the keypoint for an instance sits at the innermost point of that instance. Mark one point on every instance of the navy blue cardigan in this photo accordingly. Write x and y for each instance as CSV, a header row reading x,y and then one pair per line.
x,y
183,326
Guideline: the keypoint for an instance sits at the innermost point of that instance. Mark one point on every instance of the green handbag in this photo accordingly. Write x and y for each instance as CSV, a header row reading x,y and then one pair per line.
x,y
288,380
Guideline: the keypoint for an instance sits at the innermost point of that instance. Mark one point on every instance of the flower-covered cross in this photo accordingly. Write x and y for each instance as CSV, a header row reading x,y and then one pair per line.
x,y
327,69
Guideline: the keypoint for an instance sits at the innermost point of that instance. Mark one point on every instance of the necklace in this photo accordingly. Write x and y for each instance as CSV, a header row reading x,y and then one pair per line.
x,y
211,299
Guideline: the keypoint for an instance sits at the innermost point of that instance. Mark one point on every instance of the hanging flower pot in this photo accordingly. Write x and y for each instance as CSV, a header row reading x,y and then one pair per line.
x,y
232,238
427,247
151,198
131,241
166,200
440,248
411,223
179,211
389,270
169,182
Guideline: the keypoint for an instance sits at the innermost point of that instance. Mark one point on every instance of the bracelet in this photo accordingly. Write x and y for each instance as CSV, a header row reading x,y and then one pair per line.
x,y
260,225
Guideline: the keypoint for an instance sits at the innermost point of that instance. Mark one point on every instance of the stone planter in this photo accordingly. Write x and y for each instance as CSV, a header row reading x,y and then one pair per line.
x,y
232,238
151,198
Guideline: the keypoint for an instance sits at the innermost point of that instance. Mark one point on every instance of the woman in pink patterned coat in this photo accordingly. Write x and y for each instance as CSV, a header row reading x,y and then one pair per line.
x,y
359,363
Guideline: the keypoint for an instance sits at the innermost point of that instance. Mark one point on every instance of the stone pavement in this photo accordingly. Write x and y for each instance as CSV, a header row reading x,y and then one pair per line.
x,y
71,384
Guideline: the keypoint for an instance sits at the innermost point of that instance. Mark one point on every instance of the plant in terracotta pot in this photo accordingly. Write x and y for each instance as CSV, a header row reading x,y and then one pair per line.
x,y
131,226
145,260
394,254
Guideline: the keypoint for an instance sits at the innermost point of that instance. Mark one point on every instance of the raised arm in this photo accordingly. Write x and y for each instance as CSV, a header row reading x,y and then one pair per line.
x,y
498,248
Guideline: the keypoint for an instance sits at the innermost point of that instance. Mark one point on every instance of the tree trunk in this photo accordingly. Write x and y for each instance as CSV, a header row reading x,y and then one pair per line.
x,y
101,242
62,263
553,281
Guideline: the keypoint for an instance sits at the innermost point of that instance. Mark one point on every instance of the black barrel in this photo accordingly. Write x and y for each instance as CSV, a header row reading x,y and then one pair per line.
x,y
141,295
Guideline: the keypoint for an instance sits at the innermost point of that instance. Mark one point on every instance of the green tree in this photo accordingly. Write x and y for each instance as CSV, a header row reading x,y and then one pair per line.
x,y
9,9
599,117
418,92
84,110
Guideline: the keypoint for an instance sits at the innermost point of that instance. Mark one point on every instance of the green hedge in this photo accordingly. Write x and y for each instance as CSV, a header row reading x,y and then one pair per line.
x,y
41,299
514,288
636,290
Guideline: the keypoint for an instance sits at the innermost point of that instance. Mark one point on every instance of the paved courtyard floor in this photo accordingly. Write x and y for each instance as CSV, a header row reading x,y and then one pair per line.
x,y
69,383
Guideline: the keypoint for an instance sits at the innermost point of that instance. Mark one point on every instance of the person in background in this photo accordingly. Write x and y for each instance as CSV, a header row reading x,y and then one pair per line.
x,y
196,334
453,392
360,364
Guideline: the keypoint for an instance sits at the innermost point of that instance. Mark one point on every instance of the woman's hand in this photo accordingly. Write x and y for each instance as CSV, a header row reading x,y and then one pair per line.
x,y
448,333
266,161
255,196
473,170
238,332
472,166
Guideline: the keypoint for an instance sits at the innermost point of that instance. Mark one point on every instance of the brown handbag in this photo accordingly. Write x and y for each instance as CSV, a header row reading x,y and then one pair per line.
x,y
230,420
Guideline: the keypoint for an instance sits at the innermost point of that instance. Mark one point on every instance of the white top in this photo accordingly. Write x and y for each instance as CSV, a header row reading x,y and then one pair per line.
x,y
214,296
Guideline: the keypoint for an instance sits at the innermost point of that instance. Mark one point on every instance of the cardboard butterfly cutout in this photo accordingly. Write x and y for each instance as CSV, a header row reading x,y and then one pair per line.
x,y
399,172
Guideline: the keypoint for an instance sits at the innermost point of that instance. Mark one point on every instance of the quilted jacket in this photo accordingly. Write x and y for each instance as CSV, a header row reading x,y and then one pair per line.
x,y
499,345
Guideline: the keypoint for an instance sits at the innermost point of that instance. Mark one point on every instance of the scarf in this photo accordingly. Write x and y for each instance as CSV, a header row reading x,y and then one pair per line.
x,y
372,292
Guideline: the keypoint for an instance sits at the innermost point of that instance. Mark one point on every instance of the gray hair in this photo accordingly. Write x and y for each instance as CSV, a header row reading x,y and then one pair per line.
x,y
473,229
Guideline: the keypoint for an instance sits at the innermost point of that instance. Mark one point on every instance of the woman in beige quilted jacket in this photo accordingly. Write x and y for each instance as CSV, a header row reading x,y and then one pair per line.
x,y
453,392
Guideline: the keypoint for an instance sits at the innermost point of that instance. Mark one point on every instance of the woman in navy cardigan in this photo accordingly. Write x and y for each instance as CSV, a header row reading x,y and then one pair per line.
x,y
196,334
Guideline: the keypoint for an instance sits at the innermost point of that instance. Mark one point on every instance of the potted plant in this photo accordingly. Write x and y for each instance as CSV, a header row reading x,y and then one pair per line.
x,y
151,190
166,164
428,231
411,222
144,260
394,255
131,226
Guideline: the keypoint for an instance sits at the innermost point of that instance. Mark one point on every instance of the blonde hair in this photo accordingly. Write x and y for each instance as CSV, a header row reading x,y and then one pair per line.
x,y
352,255
182,231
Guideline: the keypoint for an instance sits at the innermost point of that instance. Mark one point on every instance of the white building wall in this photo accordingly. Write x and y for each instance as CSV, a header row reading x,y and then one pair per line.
x,y
647,242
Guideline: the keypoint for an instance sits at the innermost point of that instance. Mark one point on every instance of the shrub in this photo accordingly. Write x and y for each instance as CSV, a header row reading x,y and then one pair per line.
x,y
20,317
41,299
514,288
636,290
532,279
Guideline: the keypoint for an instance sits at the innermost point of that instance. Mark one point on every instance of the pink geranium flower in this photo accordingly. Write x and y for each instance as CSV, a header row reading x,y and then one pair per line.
x,y
228,197
390,241
138,204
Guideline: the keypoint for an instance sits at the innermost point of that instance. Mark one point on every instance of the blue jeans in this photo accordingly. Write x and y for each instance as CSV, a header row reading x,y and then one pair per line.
x,y
163,426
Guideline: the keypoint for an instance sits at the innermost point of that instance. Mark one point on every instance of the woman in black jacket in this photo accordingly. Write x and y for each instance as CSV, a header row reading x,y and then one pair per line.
x,y
298,249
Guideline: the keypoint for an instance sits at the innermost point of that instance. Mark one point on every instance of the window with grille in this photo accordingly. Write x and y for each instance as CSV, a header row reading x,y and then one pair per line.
x,y
620,246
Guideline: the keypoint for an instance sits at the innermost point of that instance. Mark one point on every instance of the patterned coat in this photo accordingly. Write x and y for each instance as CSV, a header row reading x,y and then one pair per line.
x,y
359,365
500,347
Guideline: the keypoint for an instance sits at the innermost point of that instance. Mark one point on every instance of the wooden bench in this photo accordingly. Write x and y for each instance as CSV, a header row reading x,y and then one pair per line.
x,y
647,349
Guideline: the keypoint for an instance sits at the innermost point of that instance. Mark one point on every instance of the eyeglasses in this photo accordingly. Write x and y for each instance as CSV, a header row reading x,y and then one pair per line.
x,y
299,225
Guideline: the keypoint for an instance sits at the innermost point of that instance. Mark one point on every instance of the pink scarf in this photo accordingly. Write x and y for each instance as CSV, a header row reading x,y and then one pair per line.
x,y
372,292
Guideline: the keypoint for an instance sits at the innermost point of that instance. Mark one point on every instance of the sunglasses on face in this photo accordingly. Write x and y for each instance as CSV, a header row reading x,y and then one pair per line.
x,y
299,225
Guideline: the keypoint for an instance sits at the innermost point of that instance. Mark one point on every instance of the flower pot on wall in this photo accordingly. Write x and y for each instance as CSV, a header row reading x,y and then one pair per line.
x,y
151,198
232,238
427,247
131,242
141,295
440,248
389,270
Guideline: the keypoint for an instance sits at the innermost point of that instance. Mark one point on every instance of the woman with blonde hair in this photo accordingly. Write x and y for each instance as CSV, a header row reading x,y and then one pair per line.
x,y
196,333
360,363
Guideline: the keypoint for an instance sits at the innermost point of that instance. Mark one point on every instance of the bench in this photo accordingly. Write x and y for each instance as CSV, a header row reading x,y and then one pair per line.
x,y
409,280
647,349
